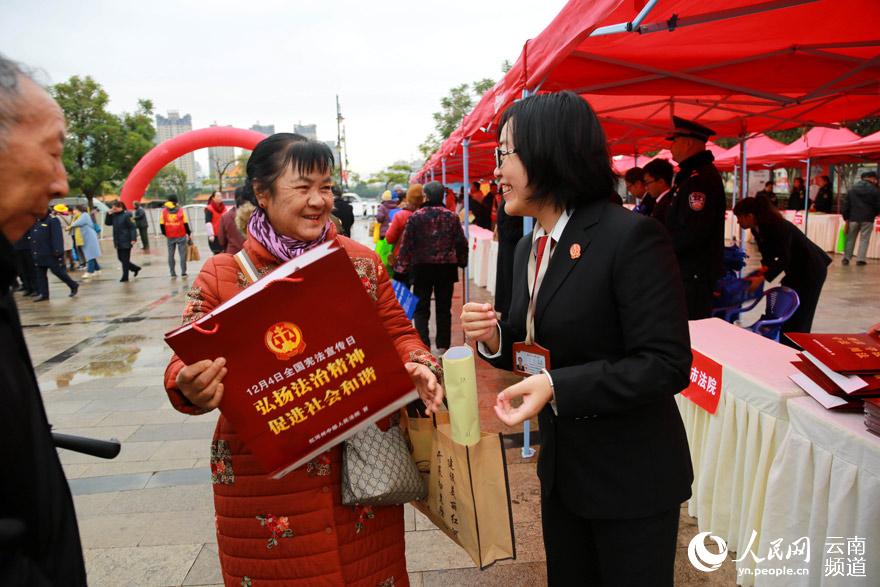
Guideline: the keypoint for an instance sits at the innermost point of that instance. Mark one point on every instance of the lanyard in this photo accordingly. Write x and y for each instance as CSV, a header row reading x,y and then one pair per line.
x,y
539,260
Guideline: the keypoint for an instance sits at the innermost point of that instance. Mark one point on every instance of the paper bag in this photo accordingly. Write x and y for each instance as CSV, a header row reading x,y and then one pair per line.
x,y
192,252
468,491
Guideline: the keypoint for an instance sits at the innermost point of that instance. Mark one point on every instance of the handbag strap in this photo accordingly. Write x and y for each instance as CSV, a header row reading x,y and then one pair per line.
x,y
248,269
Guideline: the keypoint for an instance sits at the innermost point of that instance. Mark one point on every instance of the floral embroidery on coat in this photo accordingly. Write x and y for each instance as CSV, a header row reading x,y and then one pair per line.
x,y
366,270
279,527
319,466
364,513
221,463
389,582
193,309
247,582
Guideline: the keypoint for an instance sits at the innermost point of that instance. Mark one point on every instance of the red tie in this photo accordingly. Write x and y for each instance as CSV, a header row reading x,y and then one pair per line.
x,y
542,244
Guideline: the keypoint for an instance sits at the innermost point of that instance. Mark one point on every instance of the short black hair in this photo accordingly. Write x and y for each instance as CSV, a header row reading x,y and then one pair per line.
x,y
172,198
276,153
660,169
337,191
634,174
434,192
869,175
560,142
120,204
762,208
768,183
244,194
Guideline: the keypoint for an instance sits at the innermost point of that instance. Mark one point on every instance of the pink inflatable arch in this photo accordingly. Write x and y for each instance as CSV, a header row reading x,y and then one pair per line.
x,y
164,153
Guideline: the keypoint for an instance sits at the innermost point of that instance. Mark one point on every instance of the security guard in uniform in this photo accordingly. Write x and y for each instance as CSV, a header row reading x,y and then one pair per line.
x,y
695,216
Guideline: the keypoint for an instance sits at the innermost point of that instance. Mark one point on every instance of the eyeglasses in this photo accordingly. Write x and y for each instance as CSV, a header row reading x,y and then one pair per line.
x,y
649,181
500,155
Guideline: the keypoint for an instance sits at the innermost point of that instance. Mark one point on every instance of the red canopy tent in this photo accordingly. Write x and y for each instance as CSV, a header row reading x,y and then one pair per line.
x,y
755,147
805,147
864,149
738,66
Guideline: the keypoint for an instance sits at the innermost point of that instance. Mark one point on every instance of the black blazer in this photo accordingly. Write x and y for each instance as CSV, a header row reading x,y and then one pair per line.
x,y
785,248
615,323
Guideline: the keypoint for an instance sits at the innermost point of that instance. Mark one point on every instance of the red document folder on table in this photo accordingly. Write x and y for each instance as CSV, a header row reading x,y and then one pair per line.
x,y
309,362
844,353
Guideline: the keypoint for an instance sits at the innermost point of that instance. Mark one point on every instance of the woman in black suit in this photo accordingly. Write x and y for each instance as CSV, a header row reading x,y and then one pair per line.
x,y
610,310
784,248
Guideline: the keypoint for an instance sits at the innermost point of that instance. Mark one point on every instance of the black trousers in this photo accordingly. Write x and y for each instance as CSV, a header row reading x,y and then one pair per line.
x,y
58,270
145,238
24,265
808,292
124,256
615,552
438,280
698,295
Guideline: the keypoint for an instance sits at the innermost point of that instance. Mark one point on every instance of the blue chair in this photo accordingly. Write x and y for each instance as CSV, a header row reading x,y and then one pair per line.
x,y
731,292
782,302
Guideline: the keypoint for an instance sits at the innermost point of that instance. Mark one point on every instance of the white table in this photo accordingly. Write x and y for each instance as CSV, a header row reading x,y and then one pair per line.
x,y
824,483
732,450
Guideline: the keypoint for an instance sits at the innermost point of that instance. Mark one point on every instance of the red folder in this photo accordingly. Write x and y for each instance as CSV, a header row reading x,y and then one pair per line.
x,y
309,362
823,381
844,353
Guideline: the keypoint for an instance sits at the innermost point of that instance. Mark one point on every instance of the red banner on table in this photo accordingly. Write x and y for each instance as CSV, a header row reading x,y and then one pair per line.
x,y
798,217
309,360
877,223
705,386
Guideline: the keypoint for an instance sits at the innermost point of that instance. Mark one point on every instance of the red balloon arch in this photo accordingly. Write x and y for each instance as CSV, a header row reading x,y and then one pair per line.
x,y
166,152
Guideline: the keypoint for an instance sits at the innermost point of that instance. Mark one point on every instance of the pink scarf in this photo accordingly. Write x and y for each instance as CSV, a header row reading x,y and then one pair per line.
x,y
282,247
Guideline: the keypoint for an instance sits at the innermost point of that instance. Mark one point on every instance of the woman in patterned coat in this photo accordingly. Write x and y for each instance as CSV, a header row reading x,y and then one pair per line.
x,y
295,531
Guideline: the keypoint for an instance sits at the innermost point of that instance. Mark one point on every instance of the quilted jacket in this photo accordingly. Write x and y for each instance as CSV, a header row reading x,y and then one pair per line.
x,y
295,531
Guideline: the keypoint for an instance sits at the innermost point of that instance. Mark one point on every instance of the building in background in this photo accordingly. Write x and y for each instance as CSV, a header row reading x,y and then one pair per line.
x,y
266,129
171,126
334,147
309,131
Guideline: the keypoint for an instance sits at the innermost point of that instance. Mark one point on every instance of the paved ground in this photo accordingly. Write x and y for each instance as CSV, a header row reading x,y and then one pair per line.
x,y
146,517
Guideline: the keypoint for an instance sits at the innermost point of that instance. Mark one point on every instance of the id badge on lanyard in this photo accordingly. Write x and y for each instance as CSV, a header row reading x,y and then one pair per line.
x,y
529,358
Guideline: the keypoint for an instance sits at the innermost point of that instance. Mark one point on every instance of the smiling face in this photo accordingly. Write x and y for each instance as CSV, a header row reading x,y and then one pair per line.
x,y
30,161
513,179
298,205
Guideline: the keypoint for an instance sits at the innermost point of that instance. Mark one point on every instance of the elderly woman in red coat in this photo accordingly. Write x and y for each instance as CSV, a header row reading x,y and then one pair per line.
x,y
295,531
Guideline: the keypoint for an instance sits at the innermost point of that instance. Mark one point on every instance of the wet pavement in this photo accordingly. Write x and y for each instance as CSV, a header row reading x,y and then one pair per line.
x,y
146,517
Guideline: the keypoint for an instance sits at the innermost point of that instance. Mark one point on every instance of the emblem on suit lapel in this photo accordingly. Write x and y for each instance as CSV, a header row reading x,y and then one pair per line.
x,y
575,251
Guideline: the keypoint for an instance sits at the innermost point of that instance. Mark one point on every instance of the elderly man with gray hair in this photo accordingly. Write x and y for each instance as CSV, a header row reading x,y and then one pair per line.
x,y
39,538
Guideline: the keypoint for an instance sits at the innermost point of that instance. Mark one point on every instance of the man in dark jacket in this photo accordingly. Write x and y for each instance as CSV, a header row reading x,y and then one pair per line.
x,y
695,215
343,211
861,205
24,265
47,244
432,249
124,236
142,224
39,539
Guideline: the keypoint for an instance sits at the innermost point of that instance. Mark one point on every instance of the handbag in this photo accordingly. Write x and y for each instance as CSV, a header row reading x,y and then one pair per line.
x,y
192,252
378,469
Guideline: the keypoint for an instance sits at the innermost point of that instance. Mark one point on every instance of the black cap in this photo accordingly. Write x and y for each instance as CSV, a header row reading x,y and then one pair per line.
x,y
689,128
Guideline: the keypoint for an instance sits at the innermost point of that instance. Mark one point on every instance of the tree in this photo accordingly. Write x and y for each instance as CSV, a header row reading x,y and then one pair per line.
x,y
397,173
169,180
865,126
101,148
453,107
221,167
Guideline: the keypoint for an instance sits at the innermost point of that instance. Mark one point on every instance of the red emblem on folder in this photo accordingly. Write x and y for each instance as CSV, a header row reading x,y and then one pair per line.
x,y
284,340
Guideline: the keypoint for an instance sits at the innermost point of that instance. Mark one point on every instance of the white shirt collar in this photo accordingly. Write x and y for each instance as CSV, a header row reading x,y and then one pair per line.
x,y
663,195
556,233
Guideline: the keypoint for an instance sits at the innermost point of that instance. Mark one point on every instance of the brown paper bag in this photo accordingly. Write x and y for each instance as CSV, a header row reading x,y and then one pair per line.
x,y
468,490
192,252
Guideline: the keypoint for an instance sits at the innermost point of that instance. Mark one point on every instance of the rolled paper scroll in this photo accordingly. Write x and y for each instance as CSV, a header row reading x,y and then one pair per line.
x,y
460,378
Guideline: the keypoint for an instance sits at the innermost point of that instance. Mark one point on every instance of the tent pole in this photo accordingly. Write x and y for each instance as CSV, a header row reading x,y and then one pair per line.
x,y
432,174
443,171
744,189
807,194
527,450
736,172
467,222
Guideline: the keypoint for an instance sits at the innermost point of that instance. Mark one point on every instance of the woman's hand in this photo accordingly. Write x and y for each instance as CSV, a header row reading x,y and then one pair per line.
x,y
201,383
480,324
535,392
427,385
